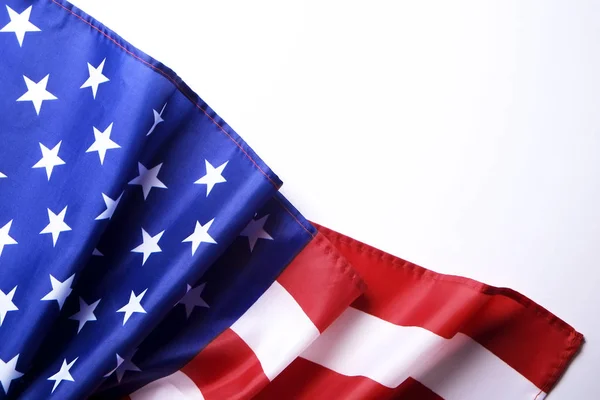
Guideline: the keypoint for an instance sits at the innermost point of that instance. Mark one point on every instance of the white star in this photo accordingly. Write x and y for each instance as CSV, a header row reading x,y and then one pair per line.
x,y
148,179
57,225
133,306
200,235
119,362
255,230
102,143
157,119
8,372
111,206
192,299
6,303
212,177
63,374
5,238
123,364
19,24
149,245
50,159
60,290
2,175
96,78
37,93
85,314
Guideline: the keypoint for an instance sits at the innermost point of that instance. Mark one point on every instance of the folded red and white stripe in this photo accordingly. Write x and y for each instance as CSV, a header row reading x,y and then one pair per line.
x,y
348,321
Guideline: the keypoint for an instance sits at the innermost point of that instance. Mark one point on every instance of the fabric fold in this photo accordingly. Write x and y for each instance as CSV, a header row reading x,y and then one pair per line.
x,y
145,251
347,321
418,334
311,292
120,190
231,285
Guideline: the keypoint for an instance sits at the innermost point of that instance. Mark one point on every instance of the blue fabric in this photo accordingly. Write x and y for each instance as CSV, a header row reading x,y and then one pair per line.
x,y
73,193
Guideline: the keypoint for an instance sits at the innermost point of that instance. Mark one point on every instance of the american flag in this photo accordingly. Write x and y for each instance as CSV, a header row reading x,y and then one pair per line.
x,y
145,252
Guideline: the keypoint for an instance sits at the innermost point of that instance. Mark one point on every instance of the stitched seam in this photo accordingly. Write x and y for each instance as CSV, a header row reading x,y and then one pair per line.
x,y
573,340
395,262
164,74
572,346
176,85
341,266
312,235
558,368
340,262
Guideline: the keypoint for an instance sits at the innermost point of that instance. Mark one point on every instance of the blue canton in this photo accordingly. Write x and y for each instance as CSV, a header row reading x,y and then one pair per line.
x,y
135,224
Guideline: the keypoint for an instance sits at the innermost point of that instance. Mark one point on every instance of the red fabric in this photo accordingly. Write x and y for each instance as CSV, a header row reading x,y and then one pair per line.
x,y
324,280
226,369
523,334
322,283
306,380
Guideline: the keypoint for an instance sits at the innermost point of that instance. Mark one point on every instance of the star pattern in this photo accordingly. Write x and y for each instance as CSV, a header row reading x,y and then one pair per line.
x,y
8,372
200,235
157,119
85,313
5,238
37,93
112,371
123,365
148,179
256,230
133,306
111,206
63,374
102,143
50,159
149,245
192,299
75,187
6,303
212,177
19,24
96,78
60,290
56,225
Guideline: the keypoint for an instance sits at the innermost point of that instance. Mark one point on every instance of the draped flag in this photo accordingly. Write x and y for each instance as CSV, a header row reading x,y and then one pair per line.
x,y
145,252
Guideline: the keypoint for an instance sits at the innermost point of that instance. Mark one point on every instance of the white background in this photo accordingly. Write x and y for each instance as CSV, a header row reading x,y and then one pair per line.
x,y
460,135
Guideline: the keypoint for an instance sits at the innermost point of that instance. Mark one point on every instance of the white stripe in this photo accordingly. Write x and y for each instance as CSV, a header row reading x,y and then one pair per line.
x,y
359,344
276,329
177,386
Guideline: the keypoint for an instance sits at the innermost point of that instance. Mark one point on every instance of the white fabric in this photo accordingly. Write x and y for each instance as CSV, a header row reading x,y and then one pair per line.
x,y
177,386
276,329
359,344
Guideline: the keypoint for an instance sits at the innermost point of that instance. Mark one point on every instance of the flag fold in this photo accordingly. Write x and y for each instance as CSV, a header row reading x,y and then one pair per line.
x,y
146,252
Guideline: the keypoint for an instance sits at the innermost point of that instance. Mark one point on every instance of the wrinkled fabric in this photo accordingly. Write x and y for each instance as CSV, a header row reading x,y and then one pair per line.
x,y
145,252
131,146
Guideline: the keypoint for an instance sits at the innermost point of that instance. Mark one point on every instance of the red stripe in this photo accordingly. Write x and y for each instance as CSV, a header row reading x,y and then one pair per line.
x,y
322,283
307,380
521,333
226,369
